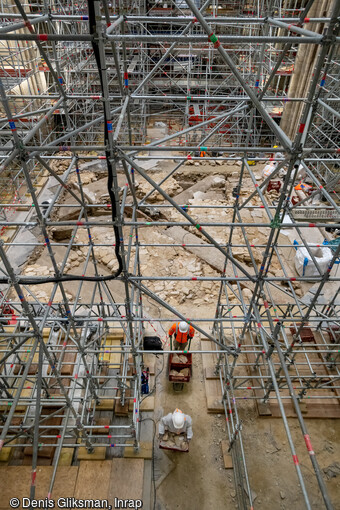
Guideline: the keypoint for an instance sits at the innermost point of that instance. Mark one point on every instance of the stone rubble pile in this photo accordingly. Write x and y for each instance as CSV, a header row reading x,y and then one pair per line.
x,y
170,186
179,358
185,372
61,165
176,261
85,177
43,291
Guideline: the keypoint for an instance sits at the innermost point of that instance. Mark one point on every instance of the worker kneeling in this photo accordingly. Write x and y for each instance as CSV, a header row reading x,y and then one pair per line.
x,y
183,333
175,429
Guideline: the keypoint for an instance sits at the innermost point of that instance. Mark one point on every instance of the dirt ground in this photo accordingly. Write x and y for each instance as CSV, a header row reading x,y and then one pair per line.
x,y
198,479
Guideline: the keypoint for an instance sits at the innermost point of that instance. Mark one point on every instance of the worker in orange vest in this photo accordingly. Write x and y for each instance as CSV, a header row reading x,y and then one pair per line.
x,y
183,333
302,187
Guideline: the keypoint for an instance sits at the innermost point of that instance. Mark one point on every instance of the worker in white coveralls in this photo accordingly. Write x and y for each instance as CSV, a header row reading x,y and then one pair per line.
x,y
177,423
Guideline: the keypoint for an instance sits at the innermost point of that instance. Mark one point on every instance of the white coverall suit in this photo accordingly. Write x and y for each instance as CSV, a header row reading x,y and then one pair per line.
x,y
166,424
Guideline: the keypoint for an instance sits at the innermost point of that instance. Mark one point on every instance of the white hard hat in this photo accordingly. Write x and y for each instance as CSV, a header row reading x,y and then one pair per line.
x,y
178,418
183,327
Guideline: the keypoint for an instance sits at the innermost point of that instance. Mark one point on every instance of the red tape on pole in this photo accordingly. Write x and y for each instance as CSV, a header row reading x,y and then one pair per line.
x,y
309,444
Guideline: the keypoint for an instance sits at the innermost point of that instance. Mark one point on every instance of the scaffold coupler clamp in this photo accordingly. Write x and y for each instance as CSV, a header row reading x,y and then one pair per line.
x,y
12,280
275,223
270,350
236,191
23,154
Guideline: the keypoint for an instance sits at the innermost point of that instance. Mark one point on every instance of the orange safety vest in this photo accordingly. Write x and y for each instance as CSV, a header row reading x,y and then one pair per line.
x,y
181,338
302,187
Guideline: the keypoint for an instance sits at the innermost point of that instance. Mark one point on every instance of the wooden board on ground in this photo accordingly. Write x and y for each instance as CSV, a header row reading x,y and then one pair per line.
x,y
5,454
212,384
67,366
144,451
227,459
111,354
99,453
148,404
41,461
150,362
122,410
311,410
20,408
103,373
209,373
6,451
326,368
54,386
115,356
104,423
43,451
116,333
65,482
105,404
66,456
93,480
213,395
16,481
263,408
126,480
209,360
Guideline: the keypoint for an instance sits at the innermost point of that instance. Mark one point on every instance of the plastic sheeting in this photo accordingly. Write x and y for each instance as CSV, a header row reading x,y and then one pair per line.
x,y
268,169
305,265
334,244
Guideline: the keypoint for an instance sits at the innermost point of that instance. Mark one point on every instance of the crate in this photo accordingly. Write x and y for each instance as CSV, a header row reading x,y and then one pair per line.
x,y
274,185
306,333
177,366
163,446
180,378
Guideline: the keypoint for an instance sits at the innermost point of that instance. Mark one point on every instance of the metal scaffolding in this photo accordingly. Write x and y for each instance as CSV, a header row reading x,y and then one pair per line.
x,y
80,85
